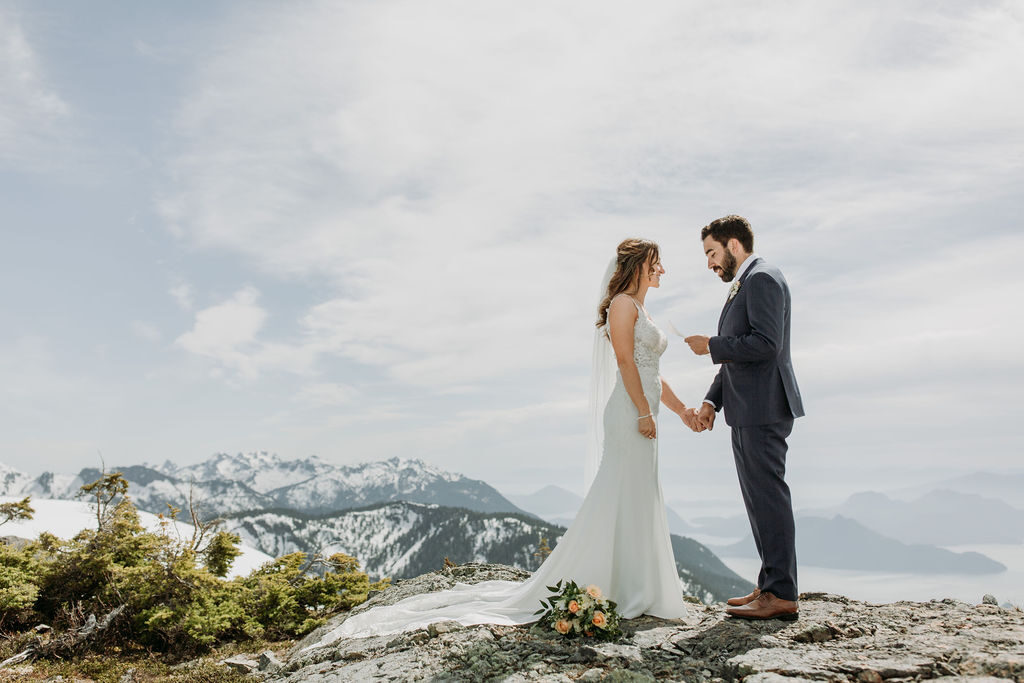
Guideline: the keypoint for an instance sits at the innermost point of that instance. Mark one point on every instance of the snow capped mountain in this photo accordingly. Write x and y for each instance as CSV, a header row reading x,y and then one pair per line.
x,y
225,484
260,471
400,539
343,488
152,490
13,482
51,485
266,472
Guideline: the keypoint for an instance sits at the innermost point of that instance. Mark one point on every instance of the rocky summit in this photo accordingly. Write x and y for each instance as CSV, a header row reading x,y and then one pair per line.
x,y
835,639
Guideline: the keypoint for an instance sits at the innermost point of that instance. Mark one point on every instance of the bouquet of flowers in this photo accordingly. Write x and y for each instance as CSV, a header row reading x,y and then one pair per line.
x,y
575,611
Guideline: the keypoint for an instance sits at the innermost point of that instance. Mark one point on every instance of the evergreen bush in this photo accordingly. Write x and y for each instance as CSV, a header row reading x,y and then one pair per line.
x,y
122,587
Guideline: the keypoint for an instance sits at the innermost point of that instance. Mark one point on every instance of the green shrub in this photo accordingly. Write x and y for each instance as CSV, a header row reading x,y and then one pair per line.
x,y
18,589
173,595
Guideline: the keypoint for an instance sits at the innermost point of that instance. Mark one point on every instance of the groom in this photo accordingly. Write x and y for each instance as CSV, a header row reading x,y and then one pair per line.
x,y
756,387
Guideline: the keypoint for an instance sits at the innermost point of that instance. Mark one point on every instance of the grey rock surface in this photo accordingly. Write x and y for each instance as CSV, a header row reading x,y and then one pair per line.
x,y
241,663
835,639
268,662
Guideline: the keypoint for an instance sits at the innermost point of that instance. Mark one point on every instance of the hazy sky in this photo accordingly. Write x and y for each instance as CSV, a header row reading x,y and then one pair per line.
x,y
367,229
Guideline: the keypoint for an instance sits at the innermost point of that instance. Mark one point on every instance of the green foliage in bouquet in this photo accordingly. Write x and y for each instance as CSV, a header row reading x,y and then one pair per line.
x,y
579,612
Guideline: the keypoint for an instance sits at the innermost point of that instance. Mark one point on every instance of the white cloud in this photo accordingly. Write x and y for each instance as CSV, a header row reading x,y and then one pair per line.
x,y
450,169
458,178
30,109
227,332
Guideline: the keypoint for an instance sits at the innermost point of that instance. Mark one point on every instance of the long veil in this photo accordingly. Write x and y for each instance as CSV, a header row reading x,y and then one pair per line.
x,y
603,371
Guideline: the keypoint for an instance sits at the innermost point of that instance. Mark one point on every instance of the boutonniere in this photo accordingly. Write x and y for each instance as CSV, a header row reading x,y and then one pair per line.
x,y
734,290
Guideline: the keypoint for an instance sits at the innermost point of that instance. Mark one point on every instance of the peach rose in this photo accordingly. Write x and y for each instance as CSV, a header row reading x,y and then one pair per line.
x,y
600,620
594,592
574,606
562,626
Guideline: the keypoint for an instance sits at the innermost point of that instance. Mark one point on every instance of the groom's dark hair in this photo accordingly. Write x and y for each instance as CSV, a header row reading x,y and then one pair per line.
x,y
724,229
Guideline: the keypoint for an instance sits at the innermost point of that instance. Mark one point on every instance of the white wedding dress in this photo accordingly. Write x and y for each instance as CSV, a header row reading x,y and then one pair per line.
x,y
619,540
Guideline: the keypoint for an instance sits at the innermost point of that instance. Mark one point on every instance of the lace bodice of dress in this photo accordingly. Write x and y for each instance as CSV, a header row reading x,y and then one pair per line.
x,y
649,342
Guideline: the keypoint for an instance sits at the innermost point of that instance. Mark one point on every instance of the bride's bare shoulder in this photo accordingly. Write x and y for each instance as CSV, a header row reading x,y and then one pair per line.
x,y
622,306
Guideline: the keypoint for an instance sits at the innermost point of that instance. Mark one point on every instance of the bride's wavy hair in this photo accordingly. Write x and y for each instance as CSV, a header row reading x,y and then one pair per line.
x,y
629,259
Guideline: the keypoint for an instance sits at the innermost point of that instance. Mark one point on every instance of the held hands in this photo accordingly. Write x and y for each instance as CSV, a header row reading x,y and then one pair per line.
x,y
691,420
706,416
698,343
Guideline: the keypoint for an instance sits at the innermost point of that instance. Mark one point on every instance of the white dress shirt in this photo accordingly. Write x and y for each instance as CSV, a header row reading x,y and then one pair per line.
x,y
746,264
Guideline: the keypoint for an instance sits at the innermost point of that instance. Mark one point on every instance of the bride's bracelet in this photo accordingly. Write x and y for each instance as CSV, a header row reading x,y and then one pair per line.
x,y
647,415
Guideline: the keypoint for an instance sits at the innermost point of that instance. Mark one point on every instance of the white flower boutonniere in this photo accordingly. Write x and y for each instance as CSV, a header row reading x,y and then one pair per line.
x,y
734,290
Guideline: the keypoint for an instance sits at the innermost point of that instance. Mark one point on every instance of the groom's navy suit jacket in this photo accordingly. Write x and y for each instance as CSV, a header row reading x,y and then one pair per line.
x,y
755,383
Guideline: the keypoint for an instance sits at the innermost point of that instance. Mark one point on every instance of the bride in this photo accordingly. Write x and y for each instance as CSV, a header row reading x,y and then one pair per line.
x,y
619,540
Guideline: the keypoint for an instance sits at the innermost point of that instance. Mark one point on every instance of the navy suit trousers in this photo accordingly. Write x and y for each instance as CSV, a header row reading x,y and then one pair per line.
x,y
760,453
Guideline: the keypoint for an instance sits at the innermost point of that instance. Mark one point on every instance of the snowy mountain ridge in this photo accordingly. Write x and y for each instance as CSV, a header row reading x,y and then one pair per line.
x,y
267,472
12,479
398,539
226,483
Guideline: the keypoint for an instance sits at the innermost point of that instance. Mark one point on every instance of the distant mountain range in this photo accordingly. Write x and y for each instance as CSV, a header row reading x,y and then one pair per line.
x,y
403,517
1006,486
941,518
843,543
400,518
227,484
938,518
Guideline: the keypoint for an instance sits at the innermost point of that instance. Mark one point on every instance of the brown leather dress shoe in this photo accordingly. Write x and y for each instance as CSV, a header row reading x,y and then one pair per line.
x,y
737,602
767,606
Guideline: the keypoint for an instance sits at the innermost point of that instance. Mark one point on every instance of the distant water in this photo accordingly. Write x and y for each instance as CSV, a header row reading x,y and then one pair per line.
x,y
879,587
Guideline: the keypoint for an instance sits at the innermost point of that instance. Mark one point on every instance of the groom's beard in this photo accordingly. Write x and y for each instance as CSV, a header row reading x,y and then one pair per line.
x,y
727,271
